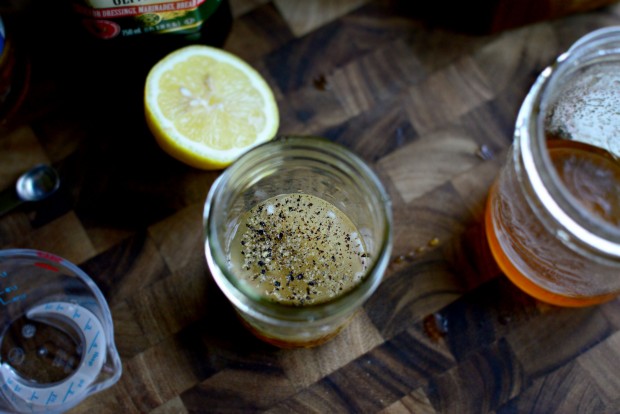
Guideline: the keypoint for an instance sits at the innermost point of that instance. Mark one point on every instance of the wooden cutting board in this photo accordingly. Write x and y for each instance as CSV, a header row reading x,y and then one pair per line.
x,y
431,109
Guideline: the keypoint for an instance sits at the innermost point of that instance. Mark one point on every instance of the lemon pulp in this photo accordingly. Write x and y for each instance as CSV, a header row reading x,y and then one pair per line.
x,y
206,106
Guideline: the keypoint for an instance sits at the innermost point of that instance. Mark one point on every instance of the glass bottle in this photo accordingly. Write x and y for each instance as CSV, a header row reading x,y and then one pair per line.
x,y
144,31
553,215
101,50
118,41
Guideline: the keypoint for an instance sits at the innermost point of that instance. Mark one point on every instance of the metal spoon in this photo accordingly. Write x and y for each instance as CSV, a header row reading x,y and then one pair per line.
x,y
35,184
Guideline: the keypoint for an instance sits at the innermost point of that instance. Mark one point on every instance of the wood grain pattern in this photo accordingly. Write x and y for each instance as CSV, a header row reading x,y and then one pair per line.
x,y
431,109
306,17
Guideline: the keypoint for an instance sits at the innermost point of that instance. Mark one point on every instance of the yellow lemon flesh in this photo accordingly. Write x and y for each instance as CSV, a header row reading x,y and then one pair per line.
x,y
206,107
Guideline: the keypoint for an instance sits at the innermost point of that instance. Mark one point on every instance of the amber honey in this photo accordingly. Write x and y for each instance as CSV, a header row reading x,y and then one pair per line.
x,y
591,176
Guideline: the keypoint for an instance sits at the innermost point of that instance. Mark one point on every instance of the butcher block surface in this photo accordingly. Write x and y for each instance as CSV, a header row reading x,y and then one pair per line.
x,y
431,108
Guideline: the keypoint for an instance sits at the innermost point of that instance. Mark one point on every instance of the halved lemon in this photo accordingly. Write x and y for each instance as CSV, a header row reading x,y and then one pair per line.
x,y
206,106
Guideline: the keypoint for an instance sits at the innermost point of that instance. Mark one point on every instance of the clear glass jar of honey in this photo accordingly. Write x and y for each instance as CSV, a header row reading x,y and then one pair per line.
x,y
553,215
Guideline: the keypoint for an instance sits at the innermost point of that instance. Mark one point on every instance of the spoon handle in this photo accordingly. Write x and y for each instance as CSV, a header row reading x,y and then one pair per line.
x,y
8,200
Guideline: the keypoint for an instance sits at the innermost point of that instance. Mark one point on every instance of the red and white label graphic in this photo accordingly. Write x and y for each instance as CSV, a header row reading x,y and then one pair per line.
x,y
103,29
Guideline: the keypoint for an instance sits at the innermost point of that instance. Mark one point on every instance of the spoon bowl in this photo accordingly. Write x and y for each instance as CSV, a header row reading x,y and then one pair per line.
x,y
37,183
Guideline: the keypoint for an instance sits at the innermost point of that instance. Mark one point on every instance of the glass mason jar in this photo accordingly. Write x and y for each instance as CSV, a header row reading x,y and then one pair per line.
x,y
303,167
553,215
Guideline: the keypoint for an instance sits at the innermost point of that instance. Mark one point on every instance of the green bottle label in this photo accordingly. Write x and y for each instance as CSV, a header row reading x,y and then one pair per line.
x,y
109,19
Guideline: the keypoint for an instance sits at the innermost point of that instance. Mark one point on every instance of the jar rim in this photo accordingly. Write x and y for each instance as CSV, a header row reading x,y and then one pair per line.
x,y
594,234
260,306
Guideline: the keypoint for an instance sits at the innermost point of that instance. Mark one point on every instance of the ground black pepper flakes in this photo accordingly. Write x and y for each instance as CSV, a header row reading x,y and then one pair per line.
x,y
297,258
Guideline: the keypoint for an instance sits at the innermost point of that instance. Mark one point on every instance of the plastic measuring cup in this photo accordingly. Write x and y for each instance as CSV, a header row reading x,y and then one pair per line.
x,y
56,334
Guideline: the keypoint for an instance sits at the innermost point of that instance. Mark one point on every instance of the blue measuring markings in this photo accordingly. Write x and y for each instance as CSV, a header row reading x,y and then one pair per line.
x,y
34,396
93,344
69,393
9,289
13,299
51,398
6,291
93,359
6,387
